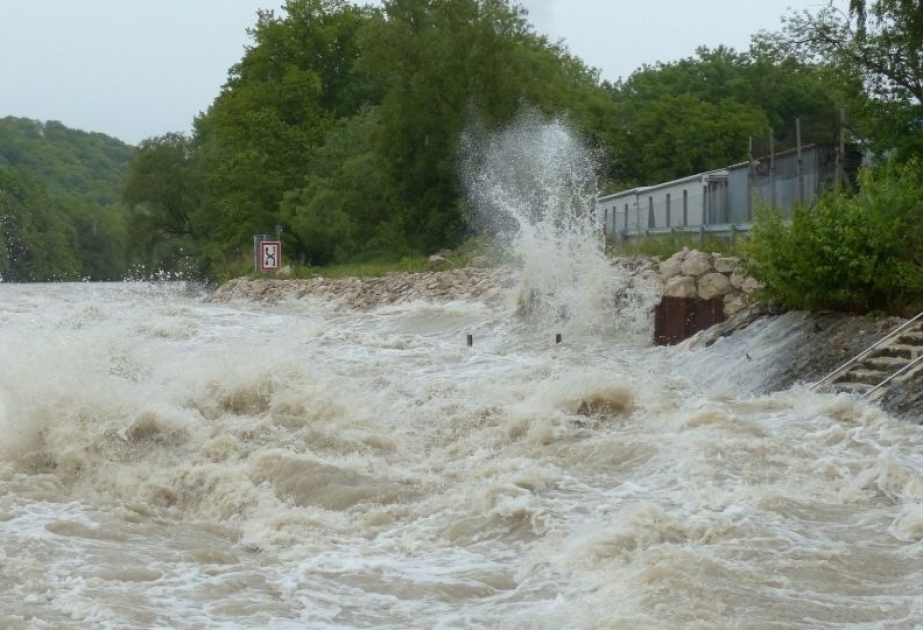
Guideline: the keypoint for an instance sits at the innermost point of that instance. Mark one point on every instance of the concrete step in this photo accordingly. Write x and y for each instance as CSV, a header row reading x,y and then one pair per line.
x,y
884,363
859,375
895,350
868,372
911,338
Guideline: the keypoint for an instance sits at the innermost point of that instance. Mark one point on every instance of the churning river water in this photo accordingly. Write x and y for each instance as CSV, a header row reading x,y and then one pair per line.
x,y
171,462
166,462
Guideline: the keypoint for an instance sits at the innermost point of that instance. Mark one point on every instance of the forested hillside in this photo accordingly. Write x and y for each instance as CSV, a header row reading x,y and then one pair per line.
x,y
91,166
61,216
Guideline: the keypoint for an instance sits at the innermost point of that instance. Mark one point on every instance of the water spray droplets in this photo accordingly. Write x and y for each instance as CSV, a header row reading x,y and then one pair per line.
x,y
535,185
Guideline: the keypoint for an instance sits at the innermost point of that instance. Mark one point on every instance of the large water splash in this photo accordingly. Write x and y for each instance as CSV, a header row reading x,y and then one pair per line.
x,y
534,184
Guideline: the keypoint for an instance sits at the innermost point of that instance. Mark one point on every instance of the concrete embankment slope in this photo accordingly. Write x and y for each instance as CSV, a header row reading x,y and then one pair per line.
x,y
794,348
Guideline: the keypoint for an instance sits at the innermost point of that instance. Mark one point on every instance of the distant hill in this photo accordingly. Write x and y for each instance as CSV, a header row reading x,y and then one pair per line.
x,y
70,162
61,214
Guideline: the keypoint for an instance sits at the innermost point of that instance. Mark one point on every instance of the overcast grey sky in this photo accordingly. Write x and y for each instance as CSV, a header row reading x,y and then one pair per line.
x,y
134,69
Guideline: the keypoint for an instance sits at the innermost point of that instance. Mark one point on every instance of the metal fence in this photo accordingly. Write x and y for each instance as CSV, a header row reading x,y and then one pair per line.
x,y
720,202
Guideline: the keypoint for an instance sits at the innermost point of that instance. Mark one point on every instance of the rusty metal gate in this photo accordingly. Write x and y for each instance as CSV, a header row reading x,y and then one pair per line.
x,y
676,319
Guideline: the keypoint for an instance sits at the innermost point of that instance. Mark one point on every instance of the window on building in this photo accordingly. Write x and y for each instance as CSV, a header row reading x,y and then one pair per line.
x,y
685,207
650,213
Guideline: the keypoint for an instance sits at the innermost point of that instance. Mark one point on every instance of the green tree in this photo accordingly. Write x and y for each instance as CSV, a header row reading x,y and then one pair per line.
x,y
699,113
87,165
276,109
681,135
874,54
343,124
62,219
445,62
100,239
160,179
164,194
341,212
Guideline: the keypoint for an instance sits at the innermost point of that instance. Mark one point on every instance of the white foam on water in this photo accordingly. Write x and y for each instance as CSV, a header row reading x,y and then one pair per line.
x,y
168,462
279,467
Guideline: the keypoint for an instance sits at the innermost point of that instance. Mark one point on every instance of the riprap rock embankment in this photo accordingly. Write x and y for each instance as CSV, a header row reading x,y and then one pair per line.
x,y
687,274
468,283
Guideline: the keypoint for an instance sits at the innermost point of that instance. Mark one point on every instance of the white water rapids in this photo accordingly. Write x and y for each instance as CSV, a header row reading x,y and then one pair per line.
x,y
166,462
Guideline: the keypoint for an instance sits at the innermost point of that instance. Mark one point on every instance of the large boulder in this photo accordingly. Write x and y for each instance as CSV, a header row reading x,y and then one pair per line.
x,y
712,285
697,263
681,287
734,303
672,266
726,264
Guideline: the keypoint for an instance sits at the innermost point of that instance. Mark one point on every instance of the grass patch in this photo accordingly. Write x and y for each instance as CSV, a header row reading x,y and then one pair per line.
x,y
665,245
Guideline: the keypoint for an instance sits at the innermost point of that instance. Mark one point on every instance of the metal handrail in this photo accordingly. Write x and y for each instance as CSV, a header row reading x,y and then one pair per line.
x,y
859,357
906,368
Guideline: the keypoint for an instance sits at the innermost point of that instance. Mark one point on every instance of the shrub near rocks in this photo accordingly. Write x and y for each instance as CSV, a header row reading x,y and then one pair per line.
x,y
851,252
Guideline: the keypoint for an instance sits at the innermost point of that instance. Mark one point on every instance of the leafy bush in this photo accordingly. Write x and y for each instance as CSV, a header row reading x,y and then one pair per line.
x,y
851,252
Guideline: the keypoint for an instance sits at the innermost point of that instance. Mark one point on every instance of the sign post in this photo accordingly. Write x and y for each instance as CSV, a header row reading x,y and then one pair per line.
x,y
268,253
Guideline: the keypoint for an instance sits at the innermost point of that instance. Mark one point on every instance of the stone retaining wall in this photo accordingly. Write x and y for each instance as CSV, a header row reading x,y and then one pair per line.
x,y
696,274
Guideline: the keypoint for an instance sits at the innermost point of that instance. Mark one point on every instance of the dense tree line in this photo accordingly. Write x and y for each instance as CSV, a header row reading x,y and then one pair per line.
x,y
91,166
701,113
341,126
873,54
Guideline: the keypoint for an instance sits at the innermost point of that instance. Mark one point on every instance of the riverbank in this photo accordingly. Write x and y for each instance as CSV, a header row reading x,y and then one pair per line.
x,y
467,283
820,341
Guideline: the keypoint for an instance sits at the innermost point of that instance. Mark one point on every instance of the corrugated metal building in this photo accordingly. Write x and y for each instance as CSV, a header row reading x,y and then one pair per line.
x,y
720,200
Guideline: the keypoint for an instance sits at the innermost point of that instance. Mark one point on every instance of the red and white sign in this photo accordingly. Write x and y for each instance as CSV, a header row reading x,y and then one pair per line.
x,y
270,255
